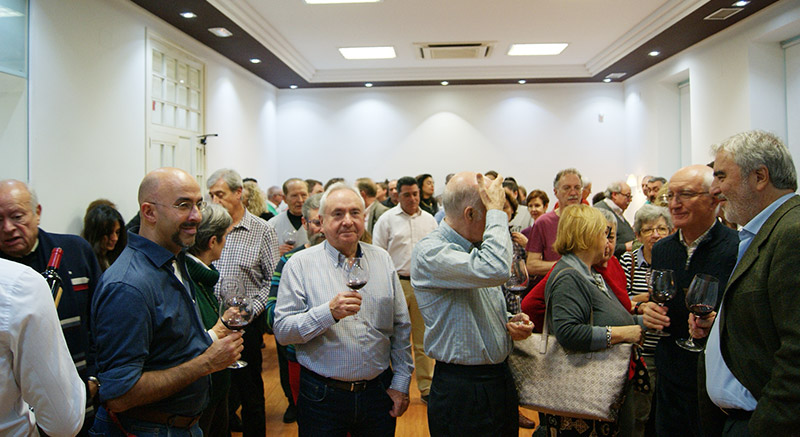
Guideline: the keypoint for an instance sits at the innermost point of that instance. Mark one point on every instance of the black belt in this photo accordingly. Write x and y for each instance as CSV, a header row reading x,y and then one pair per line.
x,y
404,277
351,386
737,414
160,417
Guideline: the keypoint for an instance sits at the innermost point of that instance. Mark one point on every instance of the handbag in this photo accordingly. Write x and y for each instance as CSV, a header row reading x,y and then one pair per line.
x,y
584,385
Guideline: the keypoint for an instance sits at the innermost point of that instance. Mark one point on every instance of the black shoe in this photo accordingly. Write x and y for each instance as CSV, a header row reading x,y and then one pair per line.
x,y
424,399
290,415
234,423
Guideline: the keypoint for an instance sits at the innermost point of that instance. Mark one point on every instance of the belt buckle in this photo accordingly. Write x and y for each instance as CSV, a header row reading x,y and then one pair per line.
x,y
357,386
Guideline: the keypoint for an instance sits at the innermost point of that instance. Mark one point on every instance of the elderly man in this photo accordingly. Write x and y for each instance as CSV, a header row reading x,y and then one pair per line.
x,y
567,187
618,197
369,190
398,231
392,200
456,272
250,255
274,198
288,223
701,245
36,367
354,352
752,352
154,355
22,241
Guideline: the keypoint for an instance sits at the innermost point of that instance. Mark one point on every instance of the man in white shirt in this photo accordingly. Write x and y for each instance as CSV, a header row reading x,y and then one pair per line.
x,y
36,367
397,231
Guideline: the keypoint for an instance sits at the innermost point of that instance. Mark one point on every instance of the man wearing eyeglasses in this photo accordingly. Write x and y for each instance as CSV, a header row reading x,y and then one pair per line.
x,y
701,245
154,356
250,254
22,241
618,197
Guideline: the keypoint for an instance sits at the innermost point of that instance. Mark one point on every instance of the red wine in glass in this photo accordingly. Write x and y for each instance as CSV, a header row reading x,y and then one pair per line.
x,y
700,300
235,309
662,289
356,284
355,275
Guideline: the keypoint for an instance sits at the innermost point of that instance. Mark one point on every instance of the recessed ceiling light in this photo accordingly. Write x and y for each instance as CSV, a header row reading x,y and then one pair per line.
x,y
368,84
521,81
606,80
445,83
294,87
367,52
188,15
536,49
255,60
331,2
654,53
741,3
220,32
8,12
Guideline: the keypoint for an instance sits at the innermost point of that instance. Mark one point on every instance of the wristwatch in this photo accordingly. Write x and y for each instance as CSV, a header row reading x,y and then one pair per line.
x,y
94,380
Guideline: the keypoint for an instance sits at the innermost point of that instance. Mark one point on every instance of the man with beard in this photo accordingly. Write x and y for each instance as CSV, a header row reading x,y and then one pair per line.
x,y
153,354
567,187
618,197
22,241
752,352
250,255
288,367
701,245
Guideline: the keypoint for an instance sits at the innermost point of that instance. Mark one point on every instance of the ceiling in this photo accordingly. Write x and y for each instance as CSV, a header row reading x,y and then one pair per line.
x,y
298,43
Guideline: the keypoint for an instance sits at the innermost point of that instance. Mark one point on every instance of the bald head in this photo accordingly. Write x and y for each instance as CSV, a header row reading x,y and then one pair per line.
x,y
702,174
169,207
156,181
692,207
461,192
19,218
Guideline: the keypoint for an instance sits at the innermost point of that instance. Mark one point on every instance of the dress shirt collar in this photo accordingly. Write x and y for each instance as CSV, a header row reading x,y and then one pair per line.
x,y
754,225
452,236
246,222
617,210
703,237
337,258
157,255
640,261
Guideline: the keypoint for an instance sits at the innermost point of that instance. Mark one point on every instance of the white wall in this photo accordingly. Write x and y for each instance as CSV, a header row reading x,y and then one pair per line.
x,y
87,107
737,83
528,131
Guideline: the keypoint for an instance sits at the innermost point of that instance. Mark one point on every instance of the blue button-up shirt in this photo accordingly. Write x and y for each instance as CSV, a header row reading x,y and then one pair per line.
x,y
457,287
145,319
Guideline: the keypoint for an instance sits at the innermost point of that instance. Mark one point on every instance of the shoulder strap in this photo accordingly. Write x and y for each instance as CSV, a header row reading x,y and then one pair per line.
x,y
633,271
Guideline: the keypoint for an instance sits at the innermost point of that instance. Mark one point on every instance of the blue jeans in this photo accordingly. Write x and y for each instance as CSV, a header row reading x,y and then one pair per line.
x,y
327,411
104,426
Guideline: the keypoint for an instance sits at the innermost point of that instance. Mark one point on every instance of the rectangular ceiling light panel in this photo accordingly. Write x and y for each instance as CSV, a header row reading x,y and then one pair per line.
x,y
536,49
368,52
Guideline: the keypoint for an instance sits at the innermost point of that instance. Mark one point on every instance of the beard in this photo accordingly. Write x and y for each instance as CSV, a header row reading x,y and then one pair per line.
x,y
742,207
314,239
176,237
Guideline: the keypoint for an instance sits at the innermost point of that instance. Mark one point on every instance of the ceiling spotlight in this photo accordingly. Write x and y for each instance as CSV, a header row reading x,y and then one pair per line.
x,y
445,83
220,32
654,53
741,3
606,80
521,81
188,15
294,87
368,84
255,60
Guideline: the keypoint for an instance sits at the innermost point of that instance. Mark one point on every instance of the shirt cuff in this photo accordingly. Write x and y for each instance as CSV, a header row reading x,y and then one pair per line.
x,y
213,335
401,383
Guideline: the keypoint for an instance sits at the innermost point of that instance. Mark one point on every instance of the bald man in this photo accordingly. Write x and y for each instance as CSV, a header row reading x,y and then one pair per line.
x,y
701,245
154,355
456,273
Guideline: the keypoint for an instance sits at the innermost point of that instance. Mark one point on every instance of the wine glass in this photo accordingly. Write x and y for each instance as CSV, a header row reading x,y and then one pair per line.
x,y
290,237
700,300
662,289
355,274
235,309
518,282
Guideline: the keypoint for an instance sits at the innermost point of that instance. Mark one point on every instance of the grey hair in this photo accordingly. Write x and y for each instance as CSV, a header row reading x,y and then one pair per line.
x,y
614,187
215,223
457,197
610,217
337,187
649,213
657,179
565,172
230,176
311,203
752,149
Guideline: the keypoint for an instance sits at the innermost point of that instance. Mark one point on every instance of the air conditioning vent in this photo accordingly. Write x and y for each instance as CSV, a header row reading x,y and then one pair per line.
x,y
470,50
723,14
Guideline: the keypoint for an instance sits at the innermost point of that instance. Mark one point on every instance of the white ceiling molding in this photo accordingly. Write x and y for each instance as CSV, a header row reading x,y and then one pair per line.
x,y
664,17
455,73
259,28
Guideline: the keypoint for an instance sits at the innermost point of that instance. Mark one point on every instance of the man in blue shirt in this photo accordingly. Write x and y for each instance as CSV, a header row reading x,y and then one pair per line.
x,y
154,355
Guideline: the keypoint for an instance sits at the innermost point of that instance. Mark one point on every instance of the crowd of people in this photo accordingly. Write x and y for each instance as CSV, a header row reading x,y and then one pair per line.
x,y
365,286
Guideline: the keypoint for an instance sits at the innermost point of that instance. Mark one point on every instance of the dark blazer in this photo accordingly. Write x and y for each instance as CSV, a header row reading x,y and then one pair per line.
x,y
760,324
624,230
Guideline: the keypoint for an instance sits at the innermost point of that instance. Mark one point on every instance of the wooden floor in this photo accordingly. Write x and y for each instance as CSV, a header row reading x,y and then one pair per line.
x,y
414,423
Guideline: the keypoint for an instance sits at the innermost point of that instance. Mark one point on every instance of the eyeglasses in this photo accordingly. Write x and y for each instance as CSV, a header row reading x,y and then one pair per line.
x,y
683,195
628,196
608,231
315,222
662,230
185,207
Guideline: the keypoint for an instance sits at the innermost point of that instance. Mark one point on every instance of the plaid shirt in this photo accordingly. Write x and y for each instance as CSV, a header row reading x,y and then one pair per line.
x,y
251,254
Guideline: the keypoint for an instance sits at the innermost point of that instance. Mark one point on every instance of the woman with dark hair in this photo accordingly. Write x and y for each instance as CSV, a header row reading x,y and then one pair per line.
x,y
104,229
426,200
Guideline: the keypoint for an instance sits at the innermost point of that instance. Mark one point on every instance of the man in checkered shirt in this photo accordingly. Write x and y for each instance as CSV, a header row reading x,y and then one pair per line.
x,y
250,254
